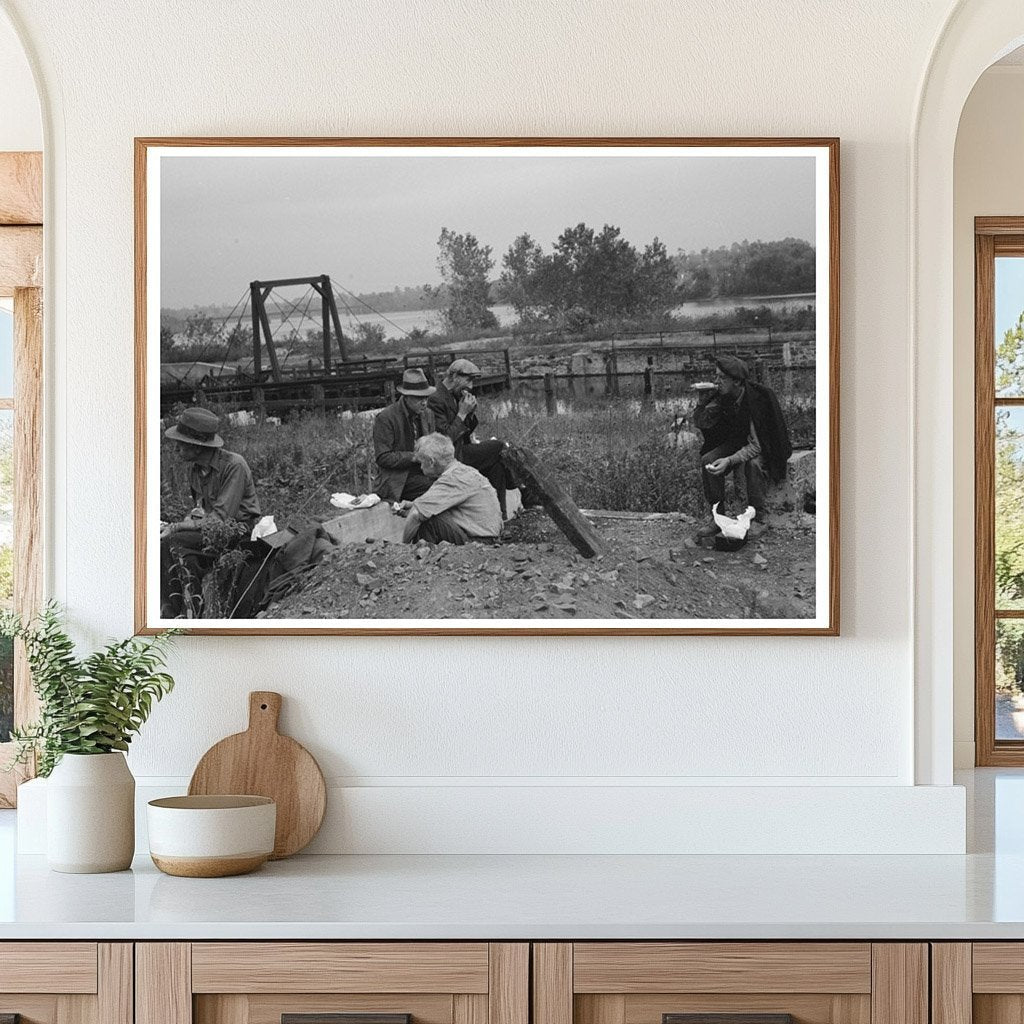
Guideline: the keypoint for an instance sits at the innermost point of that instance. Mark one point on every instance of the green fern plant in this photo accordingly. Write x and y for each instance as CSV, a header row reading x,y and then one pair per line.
x,y
90,705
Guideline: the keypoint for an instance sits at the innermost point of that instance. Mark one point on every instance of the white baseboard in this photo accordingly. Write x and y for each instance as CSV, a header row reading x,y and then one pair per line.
x,y
570,819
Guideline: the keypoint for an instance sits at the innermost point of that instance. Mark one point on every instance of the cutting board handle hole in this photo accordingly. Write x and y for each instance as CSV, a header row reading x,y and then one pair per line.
x,y
263,707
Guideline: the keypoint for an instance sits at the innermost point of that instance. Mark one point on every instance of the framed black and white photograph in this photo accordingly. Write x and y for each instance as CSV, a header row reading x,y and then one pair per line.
x,y
536,386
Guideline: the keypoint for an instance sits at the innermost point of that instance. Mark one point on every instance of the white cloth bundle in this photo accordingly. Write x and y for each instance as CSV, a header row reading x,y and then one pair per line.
x,y
734,528
348,502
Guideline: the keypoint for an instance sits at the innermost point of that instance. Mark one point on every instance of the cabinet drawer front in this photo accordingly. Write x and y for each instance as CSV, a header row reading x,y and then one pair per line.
x,y
998,967
339,967
59,967
636,967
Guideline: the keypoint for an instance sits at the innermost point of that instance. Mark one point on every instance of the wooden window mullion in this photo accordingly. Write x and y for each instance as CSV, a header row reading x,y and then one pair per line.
x,y
984,501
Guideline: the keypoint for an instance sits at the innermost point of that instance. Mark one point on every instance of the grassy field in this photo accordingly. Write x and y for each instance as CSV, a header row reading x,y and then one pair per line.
x,y
611,453
296,466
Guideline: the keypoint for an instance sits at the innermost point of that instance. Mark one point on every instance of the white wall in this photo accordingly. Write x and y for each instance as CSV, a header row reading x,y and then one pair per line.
x,y
432,716
987,182
21,127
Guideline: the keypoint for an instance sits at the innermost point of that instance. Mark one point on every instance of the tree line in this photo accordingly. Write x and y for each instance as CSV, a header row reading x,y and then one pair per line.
x,y
591,277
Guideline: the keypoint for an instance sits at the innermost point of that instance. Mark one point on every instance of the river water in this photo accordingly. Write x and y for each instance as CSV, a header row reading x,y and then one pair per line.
x,y
397,324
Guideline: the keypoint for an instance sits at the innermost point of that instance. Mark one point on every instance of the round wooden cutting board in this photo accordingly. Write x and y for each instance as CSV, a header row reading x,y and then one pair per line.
x,y
262,762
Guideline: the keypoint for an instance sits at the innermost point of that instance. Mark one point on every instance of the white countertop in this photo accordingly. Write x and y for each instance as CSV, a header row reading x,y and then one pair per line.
x,y
977,896
517,897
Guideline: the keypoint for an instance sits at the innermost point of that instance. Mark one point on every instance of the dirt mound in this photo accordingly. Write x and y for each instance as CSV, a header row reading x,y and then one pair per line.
x,y
653,570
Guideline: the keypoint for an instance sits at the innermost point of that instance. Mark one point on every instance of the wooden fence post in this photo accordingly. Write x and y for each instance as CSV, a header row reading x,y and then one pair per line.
x,y
549,394
787,362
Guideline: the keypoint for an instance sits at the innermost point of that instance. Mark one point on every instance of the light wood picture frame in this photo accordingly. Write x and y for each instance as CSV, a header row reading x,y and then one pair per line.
x,y
591,282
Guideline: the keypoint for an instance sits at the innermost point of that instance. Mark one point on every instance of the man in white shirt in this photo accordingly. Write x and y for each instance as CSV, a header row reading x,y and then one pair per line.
x,y
459,506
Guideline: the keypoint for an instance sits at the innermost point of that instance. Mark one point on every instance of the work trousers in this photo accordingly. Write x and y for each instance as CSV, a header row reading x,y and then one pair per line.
x,y
439,528
183,564
485,458
748,475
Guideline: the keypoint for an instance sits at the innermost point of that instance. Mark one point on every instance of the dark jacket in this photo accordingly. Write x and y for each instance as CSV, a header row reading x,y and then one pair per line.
x,y
770,424
224,488
445,407
394,435
724,423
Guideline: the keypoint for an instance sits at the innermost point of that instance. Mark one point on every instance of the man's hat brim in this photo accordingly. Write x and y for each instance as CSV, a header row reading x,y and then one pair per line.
x,y
175,435
421,393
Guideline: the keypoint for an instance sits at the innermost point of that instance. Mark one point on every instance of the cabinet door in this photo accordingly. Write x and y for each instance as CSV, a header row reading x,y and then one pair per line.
x,y
65,983
980,982
332,983
730,983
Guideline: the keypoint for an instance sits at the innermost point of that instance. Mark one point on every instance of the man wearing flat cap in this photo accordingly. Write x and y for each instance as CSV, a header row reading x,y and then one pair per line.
x,y
745,432
396,429
222,489
454,407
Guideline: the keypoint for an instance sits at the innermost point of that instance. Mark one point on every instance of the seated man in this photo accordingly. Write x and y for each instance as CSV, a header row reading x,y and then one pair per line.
x,y
454,407
395,431
459,506
222,489
752,439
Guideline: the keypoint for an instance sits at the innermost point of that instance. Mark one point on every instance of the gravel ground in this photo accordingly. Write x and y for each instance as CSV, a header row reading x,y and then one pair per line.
x,y
653,569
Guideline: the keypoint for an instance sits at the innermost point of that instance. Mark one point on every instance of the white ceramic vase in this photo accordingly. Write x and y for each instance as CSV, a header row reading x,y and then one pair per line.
x,y
90,814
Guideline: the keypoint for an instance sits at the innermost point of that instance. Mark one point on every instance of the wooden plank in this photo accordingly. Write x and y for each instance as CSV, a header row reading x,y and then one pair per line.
x,y
76,1010
115,983
229,1009
999,226
29,1009
21,188
163,983
467,1009
998,967
848,1009
65,967
951,983
900,983
562,509
552,983
339,967
998,1009
28,483
21,259
508,993
806,1008
636,967
604,1009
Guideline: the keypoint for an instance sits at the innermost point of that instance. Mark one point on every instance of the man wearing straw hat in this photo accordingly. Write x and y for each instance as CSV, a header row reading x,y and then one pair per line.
x,y
222,489
395,432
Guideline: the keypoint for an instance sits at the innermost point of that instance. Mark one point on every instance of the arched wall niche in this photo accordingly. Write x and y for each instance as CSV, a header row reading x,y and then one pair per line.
x,y
976,34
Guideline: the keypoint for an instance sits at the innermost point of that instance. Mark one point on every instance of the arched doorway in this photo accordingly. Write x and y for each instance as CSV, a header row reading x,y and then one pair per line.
x,y
977,33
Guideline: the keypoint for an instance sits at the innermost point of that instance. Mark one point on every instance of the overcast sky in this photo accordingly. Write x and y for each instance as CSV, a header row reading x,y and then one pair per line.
x,y
372,223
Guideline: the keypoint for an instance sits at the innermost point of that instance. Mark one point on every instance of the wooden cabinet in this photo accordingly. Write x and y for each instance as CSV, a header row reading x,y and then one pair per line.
x,y
308,982
978,983
66,982
758,982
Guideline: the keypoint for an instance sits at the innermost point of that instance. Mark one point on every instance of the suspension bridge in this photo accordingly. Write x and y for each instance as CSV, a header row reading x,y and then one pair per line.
x,y
292,355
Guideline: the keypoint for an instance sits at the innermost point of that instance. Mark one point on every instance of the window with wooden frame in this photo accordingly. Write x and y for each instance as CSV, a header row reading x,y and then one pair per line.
x,y
21,365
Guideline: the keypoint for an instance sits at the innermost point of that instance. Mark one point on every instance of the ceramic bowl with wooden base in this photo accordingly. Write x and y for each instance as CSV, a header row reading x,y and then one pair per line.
x,y
211,836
